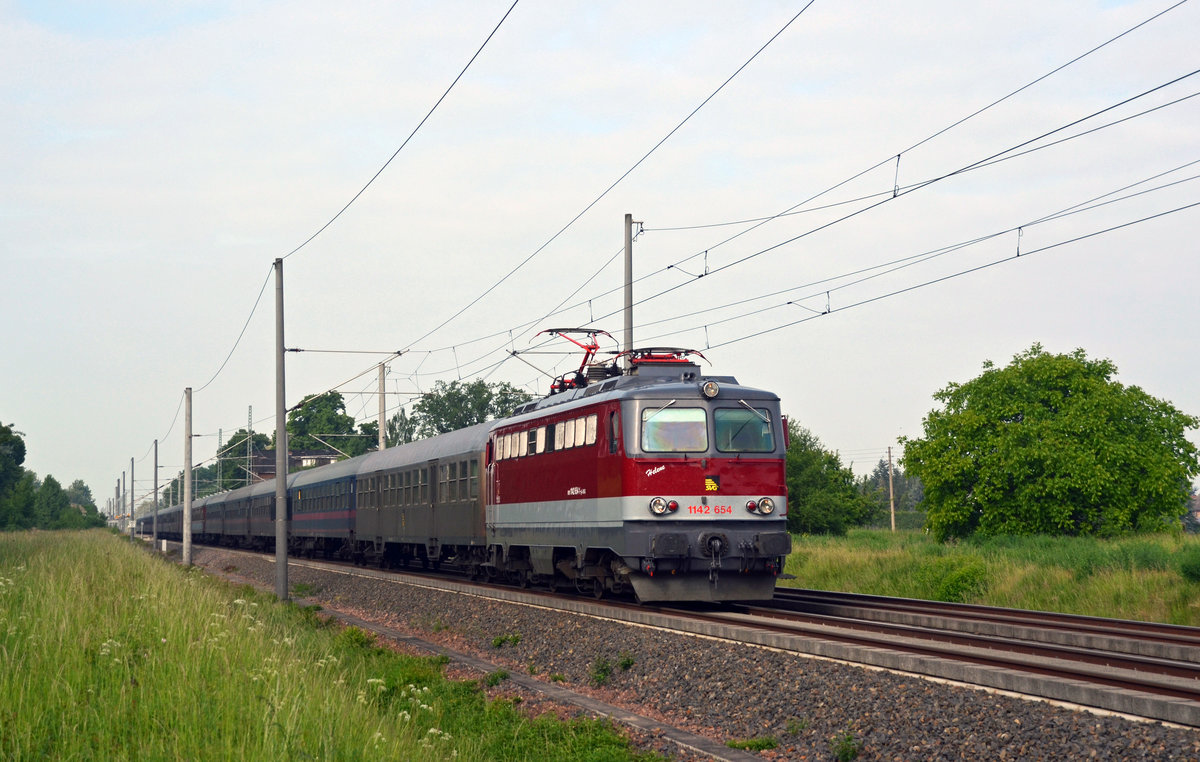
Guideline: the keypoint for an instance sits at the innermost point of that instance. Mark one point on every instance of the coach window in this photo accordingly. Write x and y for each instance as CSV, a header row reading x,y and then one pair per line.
x,y
462,480
474,485
674,429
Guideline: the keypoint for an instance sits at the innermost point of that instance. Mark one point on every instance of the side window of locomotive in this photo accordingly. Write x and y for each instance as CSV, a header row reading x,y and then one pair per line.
x,y
522,443
531,440
614,431
683,429
589,429
541,439
742,430
560,430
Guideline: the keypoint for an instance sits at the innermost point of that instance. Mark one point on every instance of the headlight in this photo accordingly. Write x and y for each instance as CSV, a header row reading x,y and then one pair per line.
x,y
658,506
710,389
766,506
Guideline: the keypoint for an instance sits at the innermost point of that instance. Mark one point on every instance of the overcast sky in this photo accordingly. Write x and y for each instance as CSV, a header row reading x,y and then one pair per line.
x,y
157,157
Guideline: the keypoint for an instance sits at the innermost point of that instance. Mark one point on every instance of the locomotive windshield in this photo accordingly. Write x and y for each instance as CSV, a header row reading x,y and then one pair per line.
x,y
671,429
743,430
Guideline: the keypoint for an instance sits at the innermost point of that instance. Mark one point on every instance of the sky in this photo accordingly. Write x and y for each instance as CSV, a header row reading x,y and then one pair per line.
x,y
816,217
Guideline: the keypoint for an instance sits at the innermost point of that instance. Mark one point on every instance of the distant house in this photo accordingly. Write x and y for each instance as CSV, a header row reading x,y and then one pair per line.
x,y
262,464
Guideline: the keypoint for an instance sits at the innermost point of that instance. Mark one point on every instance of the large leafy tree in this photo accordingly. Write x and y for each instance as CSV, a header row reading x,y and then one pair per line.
x,y
456,405
822,495
50,504
1051,444
12,456
323,417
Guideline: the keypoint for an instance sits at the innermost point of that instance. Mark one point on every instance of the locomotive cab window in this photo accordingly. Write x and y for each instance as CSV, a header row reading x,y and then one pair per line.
x,y
672,429
743,430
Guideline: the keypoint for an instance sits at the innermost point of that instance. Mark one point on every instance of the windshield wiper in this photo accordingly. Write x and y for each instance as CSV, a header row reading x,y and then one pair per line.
x,y
647,418
765,419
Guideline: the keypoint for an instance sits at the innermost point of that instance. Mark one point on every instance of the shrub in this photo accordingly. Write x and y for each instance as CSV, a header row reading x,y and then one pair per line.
x,y
1189,564
601,671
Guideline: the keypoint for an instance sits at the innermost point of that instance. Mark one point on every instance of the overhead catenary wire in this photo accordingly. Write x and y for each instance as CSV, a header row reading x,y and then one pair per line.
x,y
356,196
790,210
1003,260
494,366
410,135
978,164
615,183
890,266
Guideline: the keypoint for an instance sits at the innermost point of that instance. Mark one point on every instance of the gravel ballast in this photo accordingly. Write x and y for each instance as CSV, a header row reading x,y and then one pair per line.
x,y
812,708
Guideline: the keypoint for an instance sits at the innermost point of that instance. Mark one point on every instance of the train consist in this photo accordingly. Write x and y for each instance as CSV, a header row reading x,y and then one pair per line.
x,y
655,480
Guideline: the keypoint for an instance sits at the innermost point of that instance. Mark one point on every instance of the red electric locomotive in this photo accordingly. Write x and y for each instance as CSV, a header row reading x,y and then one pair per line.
x,y
658,480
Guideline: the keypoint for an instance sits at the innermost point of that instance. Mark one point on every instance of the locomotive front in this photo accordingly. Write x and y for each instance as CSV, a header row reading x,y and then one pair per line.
x,y
705,500
657,480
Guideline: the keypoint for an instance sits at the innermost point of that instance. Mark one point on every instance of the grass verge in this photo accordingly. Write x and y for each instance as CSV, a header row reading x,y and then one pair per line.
x,y
1153,578
108,653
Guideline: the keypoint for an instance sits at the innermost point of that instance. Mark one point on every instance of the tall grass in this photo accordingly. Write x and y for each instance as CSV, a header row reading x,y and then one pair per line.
x,y
109,653
1150,578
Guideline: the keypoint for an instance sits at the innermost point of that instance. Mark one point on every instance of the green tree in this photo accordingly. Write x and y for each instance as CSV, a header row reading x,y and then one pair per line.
x,y
456,405
366,439
401,429
906,488
1051,444
12,456
80,494
50,504
822,496
20,512
319,417
233,473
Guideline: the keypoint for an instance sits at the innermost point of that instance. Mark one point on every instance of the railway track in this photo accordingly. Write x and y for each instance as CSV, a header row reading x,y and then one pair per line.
x,y
1138,669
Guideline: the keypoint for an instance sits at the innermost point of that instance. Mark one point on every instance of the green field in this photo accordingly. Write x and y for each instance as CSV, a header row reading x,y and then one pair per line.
x,y
108,652
1152,578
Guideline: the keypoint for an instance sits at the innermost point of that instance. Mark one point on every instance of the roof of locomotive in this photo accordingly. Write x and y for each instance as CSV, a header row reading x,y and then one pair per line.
x,y
648,380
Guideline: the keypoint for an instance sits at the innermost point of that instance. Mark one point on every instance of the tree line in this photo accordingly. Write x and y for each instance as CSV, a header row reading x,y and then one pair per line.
x,y
27,502
319,424
1049,444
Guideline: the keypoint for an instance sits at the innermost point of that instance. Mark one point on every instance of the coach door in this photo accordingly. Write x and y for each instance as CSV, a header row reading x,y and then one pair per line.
x,y
430,527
